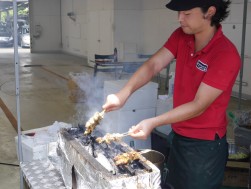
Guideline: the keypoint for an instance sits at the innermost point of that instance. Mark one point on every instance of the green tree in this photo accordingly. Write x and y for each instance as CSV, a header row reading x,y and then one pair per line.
x,y
23,11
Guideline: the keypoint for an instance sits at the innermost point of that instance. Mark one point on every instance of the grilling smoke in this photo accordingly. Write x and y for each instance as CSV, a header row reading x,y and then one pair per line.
x,y
92,89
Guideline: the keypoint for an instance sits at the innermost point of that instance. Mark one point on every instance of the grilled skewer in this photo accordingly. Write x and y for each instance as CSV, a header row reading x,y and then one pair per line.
x,y
93,122
129,157
108,138
125,158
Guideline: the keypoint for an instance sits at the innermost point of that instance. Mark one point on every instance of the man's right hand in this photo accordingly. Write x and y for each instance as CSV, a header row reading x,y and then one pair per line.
x,y
113,102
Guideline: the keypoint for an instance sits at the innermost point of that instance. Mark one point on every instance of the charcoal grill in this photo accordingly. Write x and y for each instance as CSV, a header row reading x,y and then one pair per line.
x,y
79,156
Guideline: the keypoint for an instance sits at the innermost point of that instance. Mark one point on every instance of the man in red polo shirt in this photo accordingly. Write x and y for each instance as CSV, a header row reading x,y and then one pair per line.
x,y
207,64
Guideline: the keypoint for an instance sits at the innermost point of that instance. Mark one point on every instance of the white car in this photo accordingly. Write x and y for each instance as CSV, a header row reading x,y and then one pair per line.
x,y
24,36
6,38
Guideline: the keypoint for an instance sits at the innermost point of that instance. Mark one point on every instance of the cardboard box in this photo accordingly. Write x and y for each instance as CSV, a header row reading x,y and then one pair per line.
x,y
236,177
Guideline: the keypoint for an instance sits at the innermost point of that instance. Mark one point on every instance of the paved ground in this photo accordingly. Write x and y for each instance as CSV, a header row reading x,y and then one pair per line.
x,y
44,99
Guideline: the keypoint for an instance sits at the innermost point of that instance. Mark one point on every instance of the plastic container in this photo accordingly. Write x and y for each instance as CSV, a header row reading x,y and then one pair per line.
x,y
237,153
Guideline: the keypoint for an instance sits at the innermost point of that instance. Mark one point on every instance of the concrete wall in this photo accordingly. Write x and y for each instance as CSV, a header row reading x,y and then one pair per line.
x,y
139,26
45,26
158,24
74,31
128,27
232,28
100,35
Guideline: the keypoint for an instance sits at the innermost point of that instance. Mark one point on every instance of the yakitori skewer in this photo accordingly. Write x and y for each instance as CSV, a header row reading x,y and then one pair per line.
x,y
93,122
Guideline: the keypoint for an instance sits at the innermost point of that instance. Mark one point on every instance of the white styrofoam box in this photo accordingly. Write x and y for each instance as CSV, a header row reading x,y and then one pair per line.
x,y
145,97
164,105
30,150
39,145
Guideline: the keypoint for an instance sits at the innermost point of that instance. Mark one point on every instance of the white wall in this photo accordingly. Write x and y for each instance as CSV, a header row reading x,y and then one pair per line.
x,y
127,27
92,31
232,28
74,33
158,23
46,14
100,24
138,26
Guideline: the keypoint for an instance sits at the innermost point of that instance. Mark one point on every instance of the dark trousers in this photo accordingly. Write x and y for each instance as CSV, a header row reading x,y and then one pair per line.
x,y
197,164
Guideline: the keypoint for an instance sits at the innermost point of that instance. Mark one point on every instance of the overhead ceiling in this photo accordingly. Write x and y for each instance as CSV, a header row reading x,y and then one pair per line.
x,y
4,4
8,5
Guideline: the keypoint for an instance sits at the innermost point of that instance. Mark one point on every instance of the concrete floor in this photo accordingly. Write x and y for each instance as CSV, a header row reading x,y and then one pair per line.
x,y
44,99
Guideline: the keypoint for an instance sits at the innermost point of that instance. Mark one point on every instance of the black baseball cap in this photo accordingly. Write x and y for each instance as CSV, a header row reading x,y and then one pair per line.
x,y
183,5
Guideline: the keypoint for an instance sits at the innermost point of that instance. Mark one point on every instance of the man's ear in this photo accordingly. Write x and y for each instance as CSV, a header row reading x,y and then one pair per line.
x,y
210,12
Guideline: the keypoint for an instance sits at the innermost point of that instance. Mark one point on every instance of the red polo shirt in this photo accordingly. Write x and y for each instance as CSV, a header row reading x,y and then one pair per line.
x,y
217,65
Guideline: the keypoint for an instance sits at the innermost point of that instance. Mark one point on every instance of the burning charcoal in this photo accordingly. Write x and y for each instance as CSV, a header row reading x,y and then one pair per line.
x,y
104,145
73,131
113,145
94,154
123,148
122,169
86,140
67,135
81,128
118,149
129,170
135,165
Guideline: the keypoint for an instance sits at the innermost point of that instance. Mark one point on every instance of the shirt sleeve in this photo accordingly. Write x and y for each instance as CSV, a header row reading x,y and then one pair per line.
x,y
172,43
224,70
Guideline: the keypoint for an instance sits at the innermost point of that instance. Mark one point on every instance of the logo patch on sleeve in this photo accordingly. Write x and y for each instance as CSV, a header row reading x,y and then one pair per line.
x,y
201,66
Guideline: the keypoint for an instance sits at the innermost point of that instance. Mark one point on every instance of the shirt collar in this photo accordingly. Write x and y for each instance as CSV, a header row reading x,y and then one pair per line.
x,y
217,35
